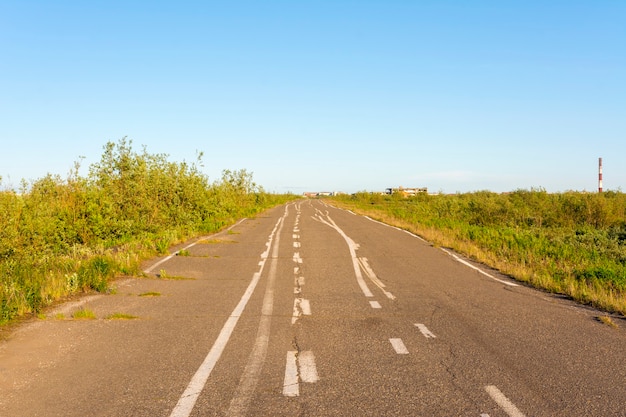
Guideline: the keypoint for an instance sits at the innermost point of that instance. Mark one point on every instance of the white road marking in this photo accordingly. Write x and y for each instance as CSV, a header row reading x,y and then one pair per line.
x,y
399,347
478,269
308,370
296,270
299,367
296,258
375,304
427,333
484,415
168,257
295,236
299,281
353,247
504,403
305,306
291,387
189,397
300,307
252,372
372,276
296,244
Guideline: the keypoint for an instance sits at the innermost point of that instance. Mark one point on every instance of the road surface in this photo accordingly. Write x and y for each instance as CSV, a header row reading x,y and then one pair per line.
x,y
309,310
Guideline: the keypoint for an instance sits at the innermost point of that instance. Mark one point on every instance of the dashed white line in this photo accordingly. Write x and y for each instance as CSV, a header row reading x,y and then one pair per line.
x,y
427,333
399,347
304,362
296,244
308,369
503,402
291,387
375,304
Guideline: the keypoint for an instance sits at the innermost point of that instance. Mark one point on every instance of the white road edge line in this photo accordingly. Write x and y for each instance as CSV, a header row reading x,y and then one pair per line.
x,y
503,402
510,284
170,256
189,397
399,347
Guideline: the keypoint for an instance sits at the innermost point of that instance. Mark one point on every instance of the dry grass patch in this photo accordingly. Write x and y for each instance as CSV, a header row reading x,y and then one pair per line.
x,y
150,294
120,316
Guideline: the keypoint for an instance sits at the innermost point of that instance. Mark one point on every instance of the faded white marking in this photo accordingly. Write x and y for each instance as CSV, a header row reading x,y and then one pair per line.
x,y
296,244
297,258
295,236
458,259
375,304
399,347
291,386
352,246
308,369
188,399
427,333
168,257
372,276
504,403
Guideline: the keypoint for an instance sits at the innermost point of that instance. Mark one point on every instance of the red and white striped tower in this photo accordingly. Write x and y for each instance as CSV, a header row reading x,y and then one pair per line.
x,y
600,175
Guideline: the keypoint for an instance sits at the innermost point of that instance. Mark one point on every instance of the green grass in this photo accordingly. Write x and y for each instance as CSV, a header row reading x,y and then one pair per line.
x,y
61,237
120,316
84,314
150,294
570,243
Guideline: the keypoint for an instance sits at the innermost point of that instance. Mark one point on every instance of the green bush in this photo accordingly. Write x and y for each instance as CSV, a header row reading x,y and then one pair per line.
x,y
64,236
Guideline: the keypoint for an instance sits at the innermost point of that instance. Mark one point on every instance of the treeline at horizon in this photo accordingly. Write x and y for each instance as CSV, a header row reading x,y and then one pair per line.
x,y
571,243
64,236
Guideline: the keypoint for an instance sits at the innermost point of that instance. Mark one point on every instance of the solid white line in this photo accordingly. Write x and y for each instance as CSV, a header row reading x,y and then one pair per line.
x,y
291,387
399,347
375,304
503,402
510,284
427,333
308,370
189,397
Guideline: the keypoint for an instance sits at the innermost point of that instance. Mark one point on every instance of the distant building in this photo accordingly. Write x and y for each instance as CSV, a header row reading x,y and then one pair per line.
x,y
406,192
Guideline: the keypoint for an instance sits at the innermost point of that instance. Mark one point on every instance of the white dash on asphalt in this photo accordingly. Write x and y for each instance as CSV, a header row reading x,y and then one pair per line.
x,y
375,304
504,403
305,306
296,244
299,281
291,388
427,333
308,370
297,258
399,347
295,236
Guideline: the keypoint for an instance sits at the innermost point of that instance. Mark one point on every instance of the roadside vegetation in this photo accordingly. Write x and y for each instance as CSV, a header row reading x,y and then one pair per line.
x,y
65,236
569,243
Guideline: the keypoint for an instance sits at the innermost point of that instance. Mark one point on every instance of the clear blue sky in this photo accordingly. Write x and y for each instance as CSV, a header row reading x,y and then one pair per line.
x,y
455,96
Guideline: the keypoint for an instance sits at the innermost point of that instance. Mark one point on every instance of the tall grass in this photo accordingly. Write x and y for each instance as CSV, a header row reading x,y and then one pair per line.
x,y
570,243
63,236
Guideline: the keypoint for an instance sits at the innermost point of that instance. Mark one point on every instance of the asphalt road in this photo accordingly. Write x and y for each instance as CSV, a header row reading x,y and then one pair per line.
x,y
308,310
